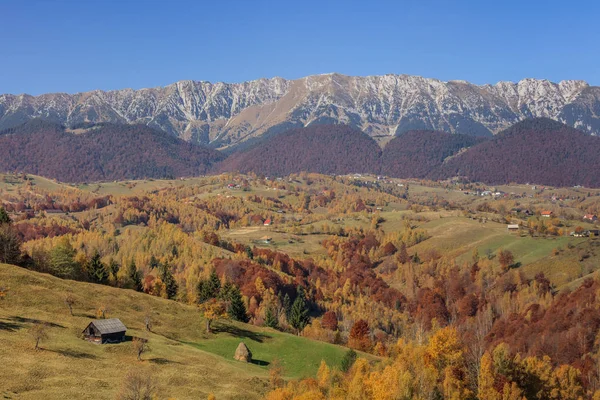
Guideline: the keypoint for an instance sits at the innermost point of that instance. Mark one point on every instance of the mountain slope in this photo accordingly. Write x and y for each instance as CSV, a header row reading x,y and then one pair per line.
x,y
227,114
537,151
100,152
182,361
326,149
416,154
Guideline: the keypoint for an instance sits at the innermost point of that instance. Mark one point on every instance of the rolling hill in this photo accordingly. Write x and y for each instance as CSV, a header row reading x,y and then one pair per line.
x,y
326,149
182,361
536,150
539,151
100,152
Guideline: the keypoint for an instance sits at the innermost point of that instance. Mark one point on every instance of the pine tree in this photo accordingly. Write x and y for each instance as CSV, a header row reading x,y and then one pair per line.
x,y
62,260
225,292
348,360
287,305
96,269
154,264
204,292
299,314
271,318
214,284
134,276
10,245
4,217
209,289
114,268
237,308
166,276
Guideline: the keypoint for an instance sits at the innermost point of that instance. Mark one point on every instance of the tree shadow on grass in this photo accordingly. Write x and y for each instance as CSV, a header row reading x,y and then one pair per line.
x,y
239,332
162,361
23,320
260,363
74,354
9,326
84,315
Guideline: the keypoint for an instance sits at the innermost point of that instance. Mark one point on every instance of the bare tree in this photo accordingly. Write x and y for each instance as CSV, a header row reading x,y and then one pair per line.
x,y
39,333
70,302
140,346
137,385
480,326
148,321
102,312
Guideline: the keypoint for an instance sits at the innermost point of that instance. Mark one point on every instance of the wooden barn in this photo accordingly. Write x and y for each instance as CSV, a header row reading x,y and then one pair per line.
x,y
103,331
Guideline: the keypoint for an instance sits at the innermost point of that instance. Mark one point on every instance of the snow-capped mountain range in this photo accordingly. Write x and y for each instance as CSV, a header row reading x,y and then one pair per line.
x,y
224,114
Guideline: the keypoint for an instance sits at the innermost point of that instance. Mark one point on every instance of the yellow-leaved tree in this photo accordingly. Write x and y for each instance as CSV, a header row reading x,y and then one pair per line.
x,y
213,310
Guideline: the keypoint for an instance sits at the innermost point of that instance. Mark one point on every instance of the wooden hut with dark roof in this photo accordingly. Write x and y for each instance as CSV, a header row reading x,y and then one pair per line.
x,y
103,331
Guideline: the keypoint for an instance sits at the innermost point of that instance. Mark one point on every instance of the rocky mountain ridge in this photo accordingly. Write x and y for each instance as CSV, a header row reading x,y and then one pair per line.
x,y
223,114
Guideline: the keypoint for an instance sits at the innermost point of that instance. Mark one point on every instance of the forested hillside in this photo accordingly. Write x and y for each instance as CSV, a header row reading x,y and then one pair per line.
x,y
416,154
326,149
100,152
538,151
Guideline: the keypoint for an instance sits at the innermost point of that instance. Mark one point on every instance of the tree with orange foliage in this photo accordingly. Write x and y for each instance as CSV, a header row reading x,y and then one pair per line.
x,y
3,292
506,259
359,336
330,321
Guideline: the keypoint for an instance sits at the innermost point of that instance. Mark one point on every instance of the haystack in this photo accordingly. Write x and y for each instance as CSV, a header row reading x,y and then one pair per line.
x,y
243,353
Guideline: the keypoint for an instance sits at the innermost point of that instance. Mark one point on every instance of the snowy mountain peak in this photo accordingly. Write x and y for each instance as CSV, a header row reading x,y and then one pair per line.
x,y
226,114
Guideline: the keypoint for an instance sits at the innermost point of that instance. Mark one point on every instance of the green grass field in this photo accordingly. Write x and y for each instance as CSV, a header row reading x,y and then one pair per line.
x,y
183,360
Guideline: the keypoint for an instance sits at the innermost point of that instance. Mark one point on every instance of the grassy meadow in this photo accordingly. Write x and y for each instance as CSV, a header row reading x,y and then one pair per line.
x,y
184,360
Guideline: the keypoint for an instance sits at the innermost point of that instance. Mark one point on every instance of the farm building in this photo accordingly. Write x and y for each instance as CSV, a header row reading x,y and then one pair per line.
x,y
512,227
267,222
546,214
105,331
590,217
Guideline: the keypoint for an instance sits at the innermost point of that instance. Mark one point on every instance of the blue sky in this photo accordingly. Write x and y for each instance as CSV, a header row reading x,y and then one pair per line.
x,y
73,46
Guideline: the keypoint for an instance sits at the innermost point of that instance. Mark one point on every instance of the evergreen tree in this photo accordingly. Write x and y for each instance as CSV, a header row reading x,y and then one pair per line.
x,y
166,276
226,291
154,263
10,245
4,217
62,260
271,319
348,360
209,289
214,284
416,259
299,314
114,268
287,305
96,269
204,292
237,308
134,277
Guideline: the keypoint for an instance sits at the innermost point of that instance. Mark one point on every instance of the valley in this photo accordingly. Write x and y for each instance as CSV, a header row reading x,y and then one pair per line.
x,y
411,259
